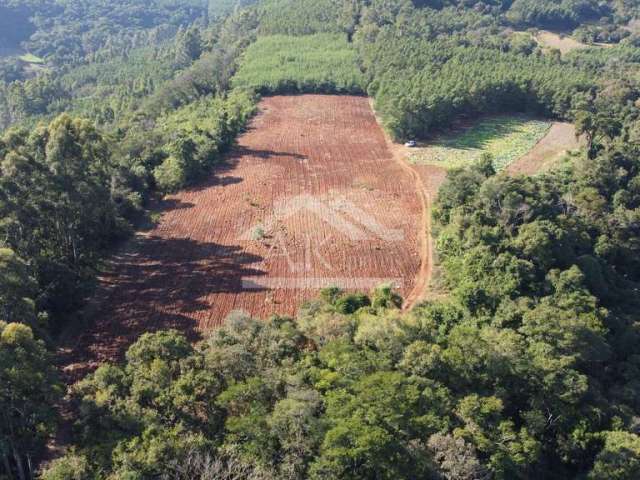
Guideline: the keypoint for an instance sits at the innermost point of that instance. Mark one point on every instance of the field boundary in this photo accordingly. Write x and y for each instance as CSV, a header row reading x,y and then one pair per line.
x,y
423,279
559,140
527,163
505,137
334,205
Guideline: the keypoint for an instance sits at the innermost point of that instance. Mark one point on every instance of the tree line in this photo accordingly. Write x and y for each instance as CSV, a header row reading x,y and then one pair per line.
x,y
526,370
72,187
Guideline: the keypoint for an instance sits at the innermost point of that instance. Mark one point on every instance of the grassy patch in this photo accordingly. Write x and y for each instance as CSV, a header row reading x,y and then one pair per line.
x,y
324,63
559,42
31,58
505,137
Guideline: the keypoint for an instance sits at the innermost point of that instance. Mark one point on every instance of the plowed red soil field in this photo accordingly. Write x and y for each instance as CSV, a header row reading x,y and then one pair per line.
x,y
311,196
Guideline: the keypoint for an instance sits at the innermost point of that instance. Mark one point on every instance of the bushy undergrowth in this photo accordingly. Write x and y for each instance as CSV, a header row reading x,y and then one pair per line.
x,y
200,133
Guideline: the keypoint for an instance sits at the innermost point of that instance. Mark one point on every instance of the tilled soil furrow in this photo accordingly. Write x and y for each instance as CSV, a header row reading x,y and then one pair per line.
x,y
311,195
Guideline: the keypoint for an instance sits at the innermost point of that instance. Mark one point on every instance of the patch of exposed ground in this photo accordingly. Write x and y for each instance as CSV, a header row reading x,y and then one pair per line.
x,y
311,196
560,139
563,43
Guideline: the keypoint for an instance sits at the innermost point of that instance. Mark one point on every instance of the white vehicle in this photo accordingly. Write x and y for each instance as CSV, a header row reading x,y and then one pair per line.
x,y
410,143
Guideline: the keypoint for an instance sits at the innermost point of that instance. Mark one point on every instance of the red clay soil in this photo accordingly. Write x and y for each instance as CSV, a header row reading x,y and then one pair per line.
x,y
428,179
310,197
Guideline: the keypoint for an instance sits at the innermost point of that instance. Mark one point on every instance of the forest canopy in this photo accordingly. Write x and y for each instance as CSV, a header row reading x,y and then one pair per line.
x,y
526,368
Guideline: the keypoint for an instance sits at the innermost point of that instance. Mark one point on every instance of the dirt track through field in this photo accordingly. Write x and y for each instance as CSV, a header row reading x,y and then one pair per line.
x,y
553,146
312,196
560,139
428,179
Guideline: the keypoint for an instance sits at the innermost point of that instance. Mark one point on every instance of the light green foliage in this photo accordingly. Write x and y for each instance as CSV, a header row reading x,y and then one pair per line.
x,y
201,132
313,63
386,334
371,419
505,138
171,174
619,459
160,407
257,233
29,390
16,334
31,58
385,297
69,467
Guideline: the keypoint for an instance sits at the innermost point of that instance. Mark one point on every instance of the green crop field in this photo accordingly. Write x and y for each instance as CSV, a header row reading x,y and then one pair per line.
x,y
506,138
324,63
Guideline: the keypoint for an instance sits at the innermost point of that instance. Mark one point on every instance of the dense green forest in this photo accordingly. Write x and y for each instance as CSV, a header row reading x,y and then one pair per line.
x,y
72,30
527,369
320,62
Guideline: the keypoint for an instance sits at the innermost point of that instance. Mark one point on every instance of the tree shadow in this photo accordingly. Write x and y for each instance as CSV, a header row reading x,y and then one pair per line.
x,y
156,284
150,218
168,204
240,151
477,133
216,177
215,181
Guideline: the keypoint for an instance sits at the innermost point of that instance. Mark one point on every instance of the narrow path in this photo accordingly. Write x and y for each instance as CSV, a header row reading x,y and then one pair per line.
x,y
560,139
557,142
423,278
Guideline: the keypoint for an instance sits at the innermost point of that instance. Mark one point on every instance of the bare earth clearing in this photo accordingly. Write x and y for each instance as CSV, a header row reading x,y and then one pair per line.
x,y
553,40
560,139
312,196
564,43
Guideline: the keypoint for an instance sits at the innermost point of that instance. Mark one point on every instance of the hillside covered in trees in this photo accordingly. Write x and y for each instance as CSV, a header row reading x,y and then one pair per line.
x,y
528,367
